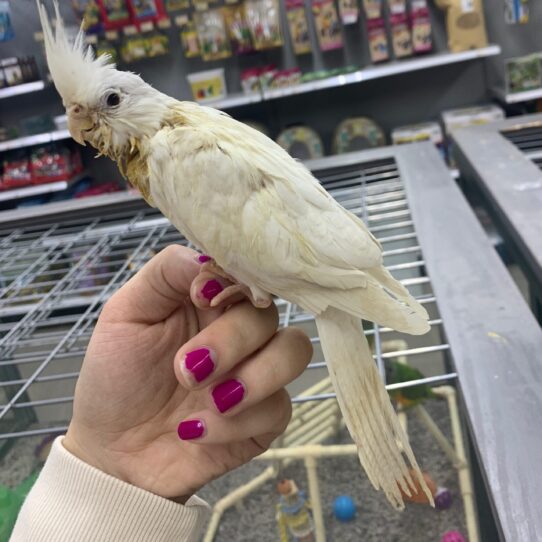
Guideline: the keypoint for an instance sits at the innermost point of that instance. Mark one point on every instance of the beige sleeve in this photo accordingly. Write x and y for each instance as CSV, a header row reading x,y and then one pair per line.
x,y
74,501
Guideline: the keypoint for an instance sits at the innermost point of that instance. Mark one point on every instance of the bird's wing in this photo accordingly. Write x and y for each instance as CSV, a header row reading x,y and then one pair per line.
x,y
286,223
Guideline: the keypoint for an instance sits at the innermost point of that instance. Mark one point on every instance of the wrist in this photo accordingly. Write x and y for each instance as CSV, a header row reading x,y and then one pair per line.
x,y
102,460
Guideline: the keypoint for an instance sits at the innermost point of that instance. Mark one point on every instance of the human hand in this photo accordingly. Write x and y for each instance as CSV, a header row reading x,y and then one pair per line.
x,y
159,356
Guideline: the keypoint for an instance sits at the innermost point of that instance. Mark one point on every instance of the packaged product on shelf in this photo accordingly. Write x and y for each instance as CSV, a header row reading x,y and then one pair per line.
x,y
189,39
176,5
301,142
356,134
238,30
250,80
286,78
400,36
378,40
414,133
349,11
373,9
52,163
523,73
16,171
133,48
13,74
516,11
421,31
145,9
115,13
327,23
212,35
263,17
465,24
299,28
157,44
453,119
208,85
267,74
88,12
6,28
397,7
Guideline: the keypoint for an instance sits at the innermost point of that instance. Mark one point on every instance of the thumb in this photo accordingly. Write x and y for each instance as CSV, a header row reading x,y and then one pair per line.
x,y
157,290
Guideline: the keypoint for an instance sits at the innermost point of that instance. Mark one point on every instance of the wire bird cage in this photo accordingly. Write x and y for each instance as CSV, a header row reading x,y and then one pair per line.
x,y
56,276
503,161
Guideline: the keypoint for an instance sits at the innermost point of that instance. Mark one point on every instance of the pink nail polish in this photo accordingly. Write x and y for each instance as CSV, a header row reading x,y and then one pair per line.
x,y
200,363
211,289
190,429
227,394
202,258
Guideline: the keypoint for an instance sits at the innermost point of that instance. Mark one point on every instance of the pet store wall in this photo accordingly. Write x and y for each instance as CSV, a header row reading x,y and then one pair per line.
x,y
345,85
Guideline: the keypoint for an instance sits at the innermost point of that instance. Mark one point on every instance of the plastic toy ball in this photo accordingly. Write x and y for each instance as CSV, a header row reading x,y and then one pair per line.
x,y
443,498
344,507
453,536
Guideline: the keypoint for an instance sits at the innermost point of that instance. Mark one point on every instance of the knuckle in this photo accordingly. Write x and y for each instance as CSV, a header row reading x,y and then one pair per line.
x,y
299,342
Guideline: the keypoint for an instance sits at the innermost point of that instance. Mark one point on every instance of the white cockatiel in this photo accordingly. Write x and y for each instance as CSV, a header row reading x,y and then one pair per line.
x,y
267,223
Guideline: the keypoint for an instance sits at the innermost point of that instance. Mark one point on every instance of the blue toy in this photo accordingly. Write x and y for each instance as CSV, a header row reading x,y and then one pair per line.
x,y
345,508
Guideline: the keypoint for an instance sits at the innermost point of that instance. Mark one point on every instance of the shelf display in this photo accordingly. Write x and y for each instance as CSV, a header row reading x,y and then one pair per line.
x,y
400,36
373,9
114,13
465,24
327,25
422,41
299,28
378,40
18,70
524,73
142,46
6,28
176,5
208,85
301,142
189,39
349,11
212,35
238,29
263,18
357,134
146,9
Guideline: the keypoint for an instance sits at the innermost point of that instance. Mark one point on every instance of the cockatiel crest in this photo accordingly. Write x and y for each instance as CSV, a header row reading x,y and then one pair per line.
x,y
267,222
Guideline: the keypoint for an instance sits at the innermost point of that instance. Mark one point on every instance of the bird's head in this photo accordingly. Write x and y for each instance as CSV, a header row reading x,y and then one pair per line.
x,y
106,107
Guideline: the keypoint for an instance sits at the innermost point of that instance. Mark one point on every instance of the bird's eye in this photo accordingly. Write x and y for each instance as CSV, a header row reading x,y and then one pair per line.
x,y
112,99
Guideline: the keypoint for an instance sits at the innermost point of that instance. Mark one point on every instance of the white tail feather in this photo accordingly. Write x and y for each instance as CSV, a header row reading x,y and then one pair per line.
x,y
366,407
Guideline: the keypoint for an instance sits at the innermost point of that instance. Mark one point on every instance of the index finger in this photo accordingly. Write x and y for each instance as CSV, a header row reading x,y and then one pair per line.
x,y
158,289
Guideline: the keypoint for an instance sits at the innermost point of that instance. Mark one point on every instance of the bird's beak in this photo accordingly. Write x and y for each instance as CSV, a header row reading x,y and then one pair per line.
x,y
80,121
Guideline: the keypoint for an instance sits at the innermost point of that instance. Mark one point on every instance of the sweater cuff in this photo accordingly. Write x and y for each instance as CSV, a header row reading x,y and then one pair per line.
x,y
72,500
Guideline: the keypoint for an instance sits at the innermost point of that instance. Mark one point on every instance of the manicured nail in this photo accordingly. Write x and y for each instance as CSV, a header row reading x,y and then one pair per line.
x,y
228,394
190,429
200,363
211,289
202,258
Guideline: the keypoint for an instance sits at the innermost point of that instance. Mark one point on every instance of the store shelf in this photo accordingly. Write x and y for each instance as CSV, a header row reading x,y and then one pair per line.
x,y
518,97
25,88
365,74
37,139
39,189
384,70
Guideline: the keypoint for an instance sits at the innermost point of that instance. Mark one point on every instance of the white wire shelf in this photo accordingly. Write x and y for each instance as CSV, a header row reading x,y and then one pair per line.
x,y
25,88
40,189
37,139
518,97
365,74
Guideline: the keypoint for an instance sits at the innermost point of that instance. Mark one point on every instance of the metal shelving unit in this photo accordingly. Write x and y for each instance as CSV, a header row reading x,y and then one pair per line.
x,y
57,275
25,88
504,159
518,97
365,74
37,139
39,189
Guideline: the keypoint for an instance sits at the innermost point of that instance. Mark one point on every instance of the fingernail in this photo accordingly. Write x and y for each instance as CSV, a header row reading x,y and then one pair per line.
x,y
200,363
190,429
202,258
228,394
211,289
